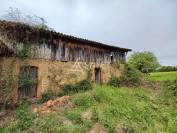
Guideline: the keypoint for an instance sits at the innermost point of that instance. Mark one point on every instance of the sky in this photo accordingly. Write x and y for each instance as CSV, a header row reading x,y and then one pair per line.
x,y
140,25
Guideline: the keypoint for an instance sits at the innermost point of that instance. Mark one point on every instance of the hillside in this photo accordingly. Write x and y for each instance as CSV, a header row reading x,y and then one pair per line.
x,y
104,109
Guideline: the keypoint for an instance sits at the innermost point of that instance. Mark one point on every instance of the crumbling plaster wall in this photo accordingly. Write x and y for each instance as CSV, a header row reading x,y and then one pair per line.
x,y
54,74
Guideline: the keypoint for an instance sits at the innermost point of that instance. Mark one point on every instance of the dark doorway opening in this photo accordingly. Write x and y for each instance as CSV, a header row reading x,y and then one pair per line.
x,y
28,82
112,59
63,51
97,75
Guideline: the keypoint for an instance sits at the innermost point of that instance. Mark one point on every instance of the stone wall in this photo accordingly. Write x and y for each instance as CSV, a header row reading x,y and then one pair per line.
x,y
54,74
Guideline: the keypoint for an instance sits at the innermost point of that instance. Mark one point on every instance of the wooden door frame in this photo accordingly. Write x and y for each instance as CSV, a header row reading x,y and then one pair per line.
x,y
98,68
36,89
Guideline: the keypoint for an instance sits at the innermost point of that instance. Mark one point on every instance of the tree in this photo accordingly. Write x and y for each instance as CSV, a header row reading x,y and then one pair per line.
x,y
16,15
144,61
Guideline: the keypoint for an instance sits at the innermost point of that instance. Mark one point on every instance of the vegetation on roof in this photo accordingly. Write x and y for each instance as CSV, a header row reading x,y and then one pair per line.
x,y
23,32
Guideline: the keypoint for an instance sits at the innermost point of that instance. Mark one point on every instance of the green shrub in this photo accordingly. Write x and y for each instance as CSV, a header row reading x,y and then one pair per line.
x,y
113,81
47,95
80,86
66,89
83,85
172,85
24,116
130,77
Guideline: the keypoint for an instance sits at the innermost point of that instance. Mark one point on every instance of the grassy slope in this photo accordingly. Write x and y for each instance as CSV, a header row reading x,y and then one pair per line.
x,y
163,76
138,110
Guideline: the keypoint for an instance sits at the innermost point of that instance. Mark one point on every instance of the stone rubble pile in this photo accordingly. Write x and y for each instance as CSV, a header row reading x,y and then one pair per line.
x,y
49,105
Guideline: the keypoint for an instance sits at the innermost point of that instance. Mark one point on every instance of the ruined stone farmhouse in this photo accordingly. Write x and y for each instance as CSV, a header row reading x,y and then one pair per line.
x,y
51,59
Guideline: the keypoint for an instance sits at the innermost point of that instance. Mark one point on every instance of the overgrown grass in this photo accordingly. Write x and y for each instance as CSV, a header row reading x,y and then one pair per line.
x,y
113,106
163,76
136,110
132,108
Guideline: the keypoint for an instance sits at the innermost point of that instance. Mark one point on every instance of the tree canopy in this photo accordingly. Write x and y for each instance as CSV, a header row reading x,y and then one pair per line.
x,y
144,61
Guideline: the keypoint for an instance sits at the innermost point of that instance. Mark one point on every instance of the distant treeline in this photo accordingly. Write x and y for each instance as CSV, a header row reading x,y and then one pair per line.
x,y
166,69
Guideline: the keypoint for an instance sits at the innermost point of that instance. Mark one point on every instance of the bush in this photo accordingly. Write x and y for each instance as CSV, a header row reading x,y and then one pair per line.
x,y
80,86
83,85
67,89
47,95
130,77
24,116
113,81
172,85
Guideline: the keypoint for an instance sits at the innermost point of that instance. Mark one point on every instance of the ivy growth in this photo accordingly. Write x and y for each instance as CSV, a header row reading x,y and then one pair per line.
x,y
24,53
130,77
7,84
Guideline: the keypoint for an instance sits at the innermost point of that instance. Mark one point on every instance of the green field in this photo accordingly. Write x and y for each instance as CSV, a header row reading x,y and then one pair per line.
x,y
163,76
